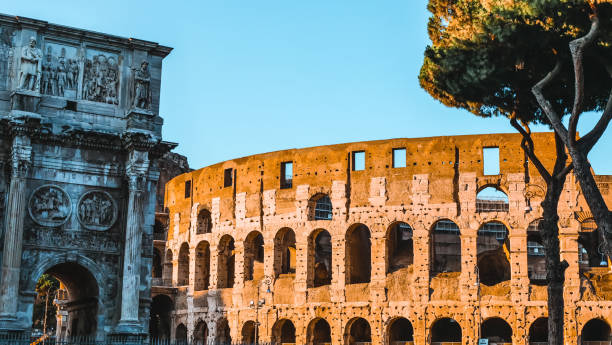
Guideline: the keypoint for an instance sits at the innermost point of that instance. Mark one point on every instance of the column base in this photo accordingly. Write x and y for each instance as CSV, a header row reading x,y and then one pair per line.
x,y
131,328
10,327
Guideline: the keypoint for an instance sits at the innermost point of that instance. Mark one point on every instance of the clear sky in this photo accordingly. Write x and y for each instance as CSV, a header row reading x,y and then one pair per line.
x,y
249,77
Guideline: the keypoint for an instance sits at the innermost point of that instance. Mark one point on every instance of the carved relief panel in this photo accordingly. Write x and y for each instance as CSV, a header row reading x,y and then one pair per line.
x,y
101,77
97,210
60,70
50,206
6,56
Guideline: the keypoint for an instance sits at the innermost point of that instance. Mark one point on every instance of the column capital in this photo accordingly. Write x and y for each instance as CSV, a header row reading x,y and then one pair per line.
x,y
21,157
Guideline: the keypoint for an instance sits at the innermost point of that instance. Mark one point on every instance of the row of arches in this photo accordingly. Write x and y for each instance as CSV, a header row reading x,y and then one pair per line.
x,y
399,330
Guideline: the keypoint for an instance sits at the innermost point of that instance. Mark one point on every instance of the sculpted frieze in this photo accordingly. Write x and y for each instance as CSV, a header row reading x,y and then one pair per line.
x,y
60,70
97,210
6,55
103,242
101,78
141,80
30,68
50,206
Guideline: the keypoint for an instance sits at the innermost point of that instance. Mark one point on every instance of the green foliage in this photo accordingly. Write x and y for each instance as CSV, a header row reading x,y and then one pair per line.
x,y
486,55
46,285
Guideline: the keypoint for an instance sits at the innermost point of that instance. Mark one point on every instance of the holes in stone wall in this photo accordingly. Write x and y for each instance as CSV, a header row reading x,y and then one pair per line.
x,y
446,245
358,255
399,247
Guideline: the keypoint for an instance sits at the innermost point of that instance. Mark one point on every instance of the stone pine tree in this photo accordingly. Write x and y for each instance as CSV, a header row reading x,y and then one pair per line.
x,y
493,57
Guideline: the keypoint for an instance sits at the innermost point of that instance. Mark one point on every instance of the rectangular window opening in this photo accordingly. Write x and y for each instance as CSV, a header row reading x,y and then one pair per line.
x,y
399,158
187,189
228,177
71,105
490,160
358,160
286,175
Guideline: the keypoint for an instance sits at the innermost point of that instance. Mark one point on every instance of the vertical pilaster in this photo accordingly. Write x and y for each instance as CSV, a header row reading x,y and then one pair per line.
x,y
338,269
301,269
378,274
421,276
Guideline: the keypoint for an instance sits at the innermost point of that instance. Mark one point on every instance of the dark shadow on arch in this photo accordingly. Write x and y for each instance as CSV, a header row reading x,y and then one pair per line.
x,y
204,224
400,330
318,332
156,270
167,272
248,333
253,256
181,334
284,252
357,330
202,266
446,247
595,330
493,248
536,254
283,331
358,261
538,331
183,265
200,333
399,251
445,330
226,260
160,322
223,332
496,330
319,258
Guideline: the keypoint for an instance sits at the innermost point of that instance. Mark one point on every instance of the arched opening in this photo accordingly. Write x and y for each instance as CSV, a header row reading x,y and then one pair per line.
x,y
200,333
320,207
491,199
159,230
76,293
159,324
319,258
446,330
181,334
357,331
400,331
538,331
594,332
223,332
399,248
167,273
284,252
446,243
493,248
202,266
591,247
248,333
496,330
536,254
156,270
204,224
318,332
253,256
358,255
283,332
225,263
183,265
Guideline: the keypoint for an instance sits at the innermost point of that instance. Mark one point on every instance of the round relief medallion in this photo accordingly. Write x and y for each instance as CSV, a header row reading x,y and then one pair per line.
x,y
97,210
50,205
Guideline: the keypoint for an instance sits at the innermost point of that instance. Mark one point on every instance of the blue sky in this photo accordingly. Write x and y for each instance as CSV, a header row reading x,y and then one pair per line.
x,y
249,77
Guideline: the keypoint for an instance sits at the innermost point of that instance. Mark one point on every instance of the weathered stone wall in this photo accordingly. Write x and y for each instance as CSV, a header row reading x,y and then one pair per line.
x,y
80,136
440,181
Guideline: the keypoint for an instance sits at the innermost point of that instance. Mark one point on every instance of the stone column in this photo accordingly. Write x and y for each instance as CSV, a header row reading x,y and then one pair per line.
x,y
301,273
136,171
421,272
338,269
21,153
378,264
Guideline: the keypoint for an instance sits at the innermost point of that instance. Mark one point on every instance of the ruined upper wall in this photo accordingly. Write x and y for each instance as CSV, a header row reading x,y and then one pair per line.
x,y
78,78
444,159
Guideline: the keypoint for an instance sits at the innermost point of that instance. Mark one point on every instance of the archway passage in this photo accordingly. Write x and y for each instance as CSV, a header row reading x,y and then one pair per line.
x,y
183,265
318,333
538,331
79,300
253,256
226,260
536,254
200,333
357,331
181,334
319,258
156,270
358,255
204,224
493,248
284,252
400,331
491,199
248,333
159,323
400,251
167,272
283,332
446,330
223,332
446,247
202,266
496,331
594,332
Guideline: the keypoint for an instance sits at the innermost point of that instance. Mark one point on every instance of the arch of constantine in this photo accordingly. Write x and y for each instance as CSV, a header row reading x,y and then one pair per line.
x,y
431,240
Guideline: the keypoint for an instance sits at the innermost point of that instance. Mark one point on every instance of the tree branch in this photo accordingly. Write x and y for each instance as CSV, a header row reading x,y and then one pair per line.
x,y
589,140
577,47
560,170
551,114
527,145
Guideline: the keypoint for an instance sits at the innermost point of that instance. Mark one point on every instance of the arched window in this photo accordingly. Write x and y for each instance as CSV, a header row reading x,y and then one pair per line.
x,y
318,332
538,331
400,331
160,319
181,334
597,331
168,268
284,252
446,251
321,207
491,199
400,252
204,224
157,264
283,331
248,333
223,332
446,330
200,334
592,251
226,260
319,258
253,256
496,331
202,266
183,265
358,255
357,331
536,260
493,248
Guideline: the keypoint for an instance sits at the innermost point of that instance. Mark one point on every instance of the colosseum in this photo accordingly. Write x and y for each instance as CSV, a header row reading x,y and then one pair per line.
x,y
402,241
